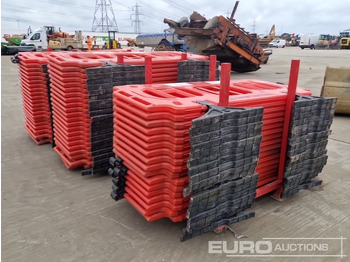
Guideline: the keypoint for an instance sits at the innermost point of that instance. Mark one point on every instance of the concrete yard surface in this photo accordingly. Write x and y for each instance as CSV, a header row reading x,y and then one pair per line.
x,y
52,214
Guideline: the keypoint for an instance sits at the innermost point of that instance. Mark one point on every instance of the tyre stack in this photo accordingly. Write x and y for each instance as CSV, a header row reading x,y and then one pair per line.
x,y
100,82
225,146
151,126
308,138
35,98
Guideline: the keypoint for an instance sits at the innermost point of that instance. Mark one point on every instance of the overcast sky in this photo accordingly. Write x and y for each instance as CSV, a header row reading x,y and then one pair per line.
x,y
291,16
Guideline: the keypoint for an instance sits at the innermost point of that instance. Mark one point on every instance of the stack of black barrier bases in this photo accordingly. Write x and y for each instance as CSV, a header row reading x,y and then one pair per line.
x,y
118,172
48,86
195,71
225,146
308,138
100,82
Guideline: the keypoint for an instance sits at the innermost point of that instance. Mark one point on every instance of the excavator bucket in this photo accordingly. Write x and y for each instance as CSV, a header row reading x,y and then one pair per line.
x,y
337,84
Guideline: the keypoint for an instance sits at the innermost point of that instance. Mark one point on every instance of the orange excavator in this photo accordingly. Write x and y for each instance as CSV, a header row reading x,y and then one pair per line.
x,y
52,34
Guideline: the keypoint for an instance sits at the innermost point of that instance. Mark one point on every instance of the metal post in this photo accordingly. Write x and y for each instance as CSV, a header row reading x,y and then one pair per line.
x,y
212,68
234,11
148,65
120,59
292,86
225,84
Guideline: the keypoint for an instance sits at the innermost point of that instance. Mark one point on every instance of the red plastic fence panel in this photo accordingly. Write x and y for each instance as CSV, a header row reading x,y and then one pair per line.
x,y
35,98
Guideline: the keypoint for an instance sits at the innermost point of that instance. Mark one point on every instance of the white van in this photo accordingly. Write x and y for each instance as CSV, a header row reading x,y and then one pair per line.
x,y
278,43
38,39
308,41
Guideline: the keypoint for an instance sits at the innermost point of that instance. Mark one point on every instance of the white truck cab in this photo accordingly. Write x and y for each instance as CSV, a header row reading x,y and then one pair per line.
x,y
38,38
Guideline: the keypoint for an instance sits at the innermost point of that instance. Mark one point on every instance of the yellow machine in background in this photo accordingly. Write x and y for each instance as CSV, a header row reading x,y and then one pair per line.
x,y
337,84
345,39
264,42
112,43
324,41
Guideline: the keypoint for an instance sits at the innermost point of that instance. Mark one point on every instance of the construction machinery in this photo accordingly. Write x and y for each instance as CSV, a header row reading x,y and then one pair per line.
x,y
11,46
172,43
13,39
224,38
112,42
46,37
345,39
337,84
324,41
13,42
264,42
167,41
131,42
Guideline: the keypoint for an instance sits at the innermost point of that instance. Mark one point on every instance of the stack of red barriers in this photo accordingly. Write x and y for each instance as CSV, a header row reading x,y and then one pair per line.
x,y
151,124
35,97
70,97
151,135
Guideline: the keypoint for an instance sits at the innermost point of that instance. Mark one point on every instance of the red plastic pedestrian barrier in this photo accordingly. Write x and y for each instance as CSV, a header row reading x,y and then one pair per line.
x,y
151,124
167,113
70,102
71,120
35,97
162,66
